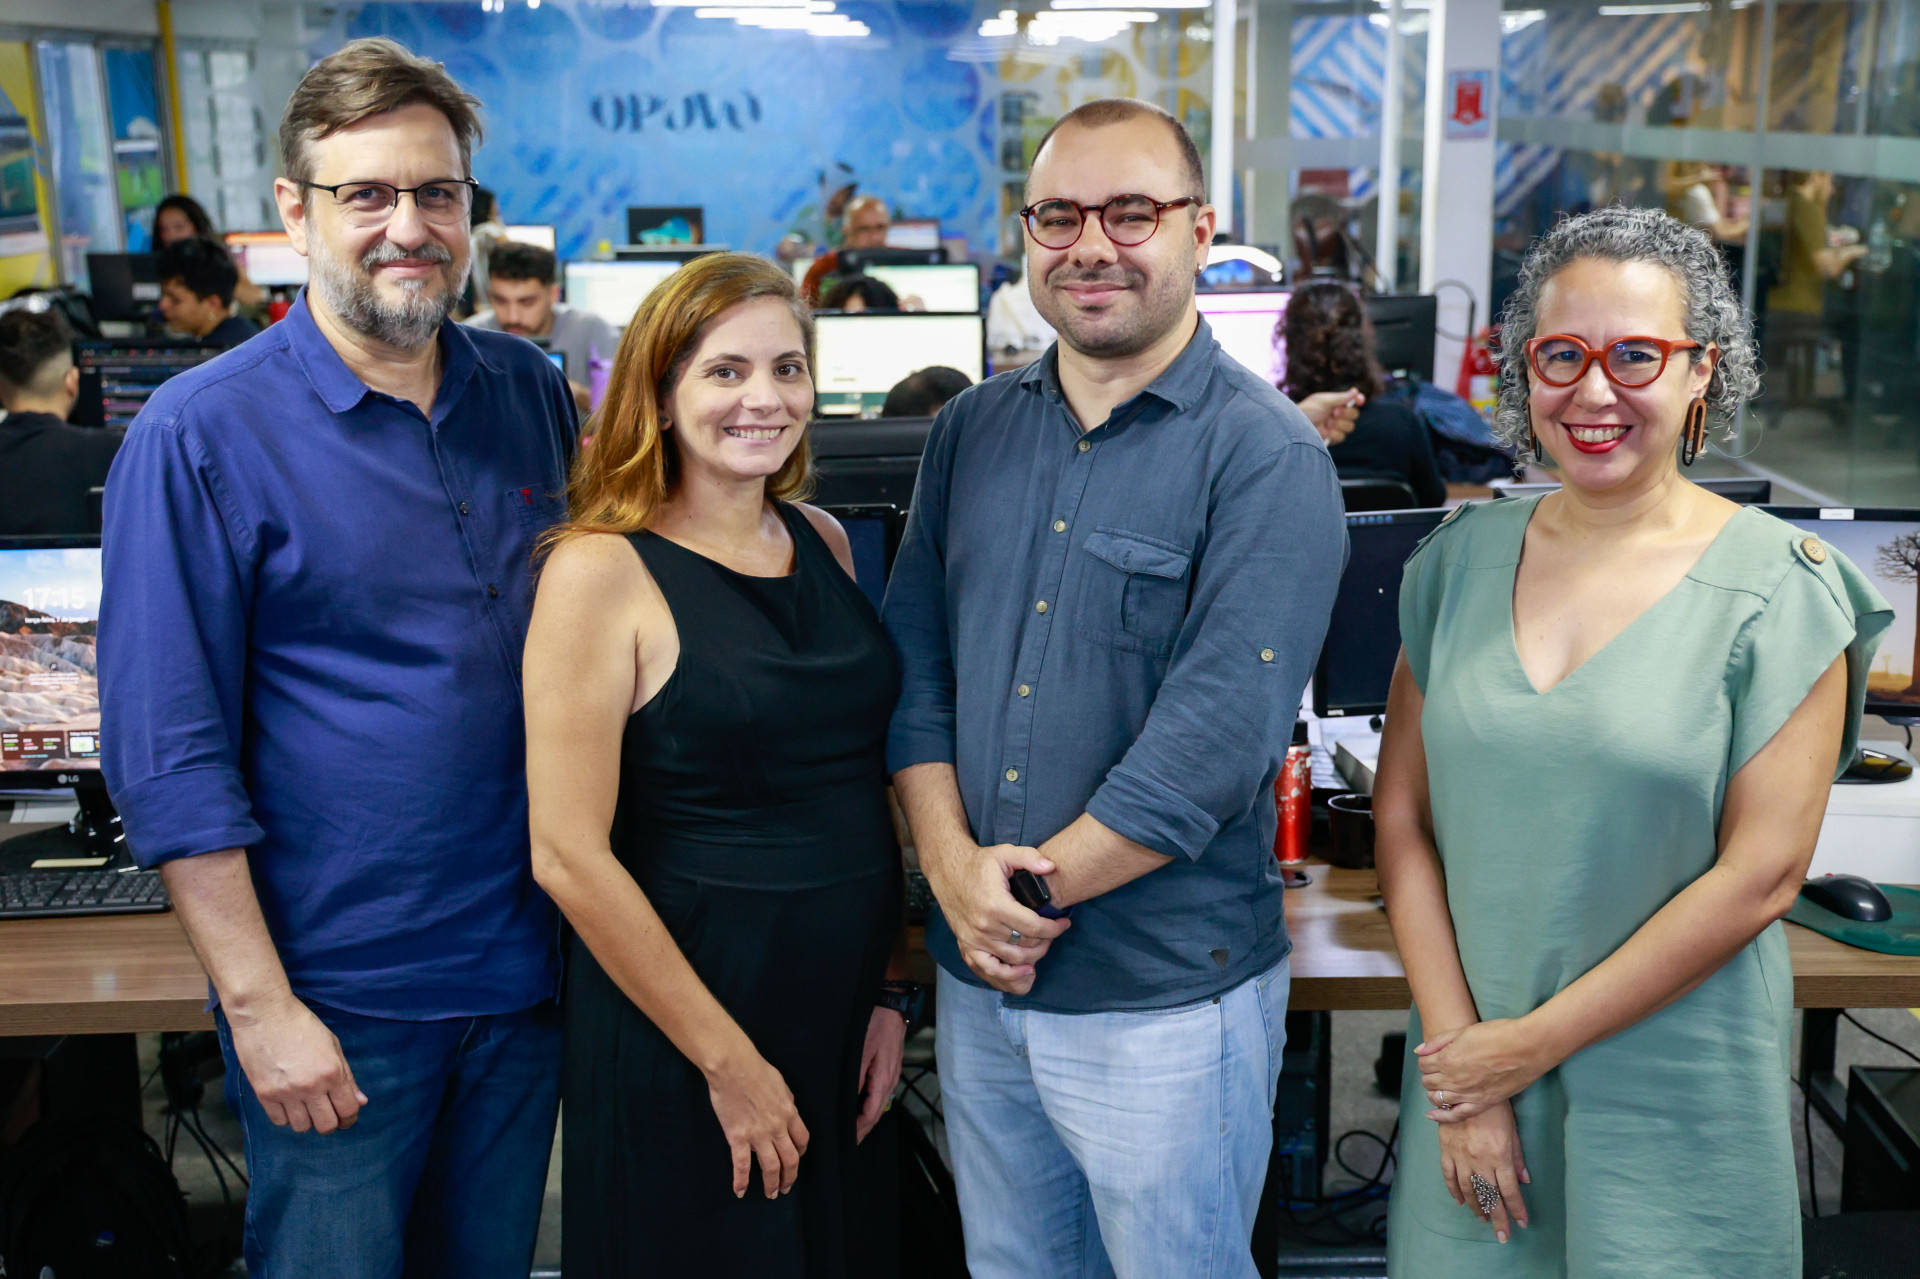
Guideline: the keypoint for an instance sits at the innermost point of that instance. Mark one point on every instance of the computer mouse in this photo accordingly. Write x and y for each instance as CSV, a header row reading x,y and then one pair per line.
x,y
1848,896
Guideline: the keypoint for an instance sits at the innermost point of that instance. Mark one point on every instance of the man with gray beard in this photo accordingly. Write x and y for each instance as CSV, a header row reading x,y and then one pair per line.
x,y
317,584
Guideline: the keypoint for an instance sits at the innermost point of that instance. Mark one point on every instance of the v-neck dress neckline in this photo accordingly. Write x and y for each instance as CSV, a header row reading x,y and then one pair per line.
x,y
1699,565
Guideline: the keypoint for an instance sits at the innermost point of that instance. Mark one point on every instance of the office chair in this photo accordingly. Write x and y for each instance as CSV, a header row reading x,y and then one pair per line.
x,y
1378,494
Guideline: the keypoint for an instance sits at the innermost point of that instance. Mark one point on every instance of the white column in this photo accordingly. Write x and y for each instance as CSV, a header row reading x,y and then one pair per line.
x,y
1269,124
1456,204
1386,245
1226,20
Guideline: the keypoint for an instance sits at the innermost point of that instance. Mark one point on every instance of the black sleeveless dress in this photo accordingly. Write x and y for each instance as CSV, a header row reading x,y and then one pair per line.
x,y
753,814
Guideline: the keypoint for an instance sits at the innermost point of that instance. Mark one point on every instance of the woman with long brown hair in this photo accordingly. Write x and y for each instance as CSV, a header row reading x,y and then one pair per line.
x,y
707,696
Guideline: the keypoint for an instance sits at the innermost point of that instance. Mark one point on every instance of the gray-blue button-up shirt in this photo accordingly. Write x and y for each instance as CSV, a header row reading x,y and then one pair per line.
x,y
1121,622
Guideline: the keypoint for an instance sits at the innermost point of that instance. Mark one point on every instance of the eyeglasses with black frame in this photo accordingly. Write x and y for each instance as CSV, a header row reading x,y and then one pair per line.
x,y
1128,220
443,201
1561,359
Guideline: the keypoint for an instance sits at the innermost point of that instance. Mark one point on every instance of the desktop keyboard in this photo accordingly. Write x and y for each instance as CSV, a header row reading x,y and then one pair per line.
x,y
36,894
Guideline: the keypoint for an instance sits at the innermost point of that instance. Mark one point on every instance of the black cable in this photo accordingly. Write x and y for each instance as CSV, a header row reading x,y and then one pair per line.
x,y
200,1125
1806,1126
226,1196
1874,1034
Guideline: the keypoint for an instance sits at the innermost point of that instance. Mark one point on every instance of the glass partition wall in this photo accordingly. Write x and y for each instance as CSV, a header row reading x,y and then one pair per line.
x,y
1791,132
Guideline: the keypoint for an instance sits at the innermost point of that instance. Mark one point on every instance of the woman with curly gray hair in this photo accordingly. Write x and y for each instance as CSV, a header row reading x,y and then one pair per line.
x,y
1601,985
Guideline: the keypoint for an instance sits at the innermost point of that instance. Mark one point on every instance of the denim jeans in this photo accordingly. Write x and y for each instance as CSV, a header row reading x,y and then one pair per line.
x,y
443,1173
1128,1144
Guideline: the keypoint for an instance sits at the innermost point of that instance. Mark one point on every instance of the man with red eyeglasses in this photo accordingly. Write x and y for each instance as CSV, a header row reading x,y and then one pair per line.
x,y
1113,584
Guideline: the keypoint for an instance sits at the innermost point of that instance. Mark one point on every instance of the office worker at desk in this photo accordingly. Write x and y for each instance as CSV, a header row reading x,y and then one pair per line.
x,y
46,466
707,700
317,581
1330,352
1116,575
197,280
863,225
181,217
523,298
1608,746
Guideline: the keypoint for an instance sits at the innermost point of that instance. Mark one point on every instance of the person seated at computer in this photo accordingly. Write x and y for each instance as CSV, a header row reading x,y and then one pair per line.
x,y
856,293
862,226
1612,728
924,393
1330,349
180,217
46,466
707,698
197,280
523,297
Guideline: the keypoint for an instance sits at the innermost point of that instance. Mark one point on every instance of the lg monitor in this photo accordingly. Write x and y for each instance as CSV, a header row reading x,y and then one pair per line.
x,y
49,680
1741,489
1403,332
666,224
914,233
612,290
539,236
116,378
1247,326
952,288
861,357
126,286
268,258
1363,634
1883,543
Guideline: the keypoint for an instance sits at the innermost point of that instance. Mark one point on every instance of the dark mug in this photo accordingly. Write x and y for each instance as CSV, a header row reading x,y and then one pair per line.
x,y
1352,818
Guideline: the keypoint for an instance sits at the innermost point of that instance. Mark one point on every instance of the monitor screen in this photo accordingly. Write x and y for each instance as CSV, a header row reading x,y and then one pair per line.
x,y
126,286
873,532
914,233
559,359
953,288
539,236
613,290
49,682
861,357
268,258
117,377
666,224
1363,635
1403,331
1247,328
1885,545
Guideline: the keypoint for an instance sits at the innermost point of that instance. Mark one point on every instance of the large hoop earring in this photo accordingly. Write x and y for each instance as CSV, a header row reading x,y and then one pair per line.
x,y
1694,436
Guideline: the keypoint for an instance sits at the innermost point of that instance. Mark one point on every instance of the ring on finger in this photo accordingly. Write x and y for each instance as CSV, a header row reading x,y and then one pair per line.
x,y
1013,937
1485,1192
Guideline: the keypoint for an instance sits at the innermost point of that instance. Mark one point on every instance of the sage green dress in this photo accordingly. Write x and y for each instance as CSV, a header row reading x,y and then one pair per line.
x,y
1565,820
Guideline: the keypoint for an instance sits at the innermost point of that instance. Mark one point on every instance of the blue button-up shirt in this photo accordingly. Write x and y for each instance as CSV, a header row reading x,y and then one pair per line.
x,y
1121,623
314,604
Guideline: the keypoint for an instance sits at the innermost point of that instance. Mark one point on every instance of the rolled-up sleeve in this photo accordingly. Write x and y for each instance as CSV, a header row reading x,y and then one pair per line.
x,y
915,613
173,642
1222,720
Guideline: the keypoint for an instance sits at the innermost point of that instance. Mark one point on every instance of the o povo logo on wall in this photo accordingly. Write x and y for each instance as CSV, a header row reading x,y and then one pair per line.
x,y
687,113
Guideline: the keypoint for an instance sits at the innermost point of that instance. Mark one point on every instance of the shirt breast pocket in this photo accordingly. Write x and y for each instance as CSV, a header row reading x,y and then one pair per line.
x,y
536,509
1133,591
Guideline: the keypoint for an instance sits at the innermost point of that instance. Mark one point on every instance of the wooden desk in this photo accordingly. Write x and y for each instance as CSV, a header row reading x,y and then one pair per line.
x,y
103,974
1344,957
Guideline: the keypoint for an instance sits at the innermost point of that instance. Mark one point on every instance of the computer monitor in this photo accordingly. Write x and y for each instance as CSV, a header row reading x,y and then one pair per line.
x,y
873,533
1363,635
953,287
867,462
666,224
1735,488
862,261
559,359
117,377
49,681
914,233
268,258
1403,332
1247,326
126,286
861,357
674,253
612,290
539,236
1883,543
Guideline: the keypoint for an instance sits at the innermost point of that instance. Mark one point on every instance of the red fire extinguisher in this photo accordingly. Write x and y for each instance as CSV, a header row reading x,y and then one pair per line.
x,y
1479,381
1293,797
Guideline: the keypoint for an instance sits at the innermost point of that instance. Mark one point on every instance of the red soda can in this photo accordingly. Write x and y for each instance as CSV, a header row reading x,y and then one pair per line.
x,y
1293,797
